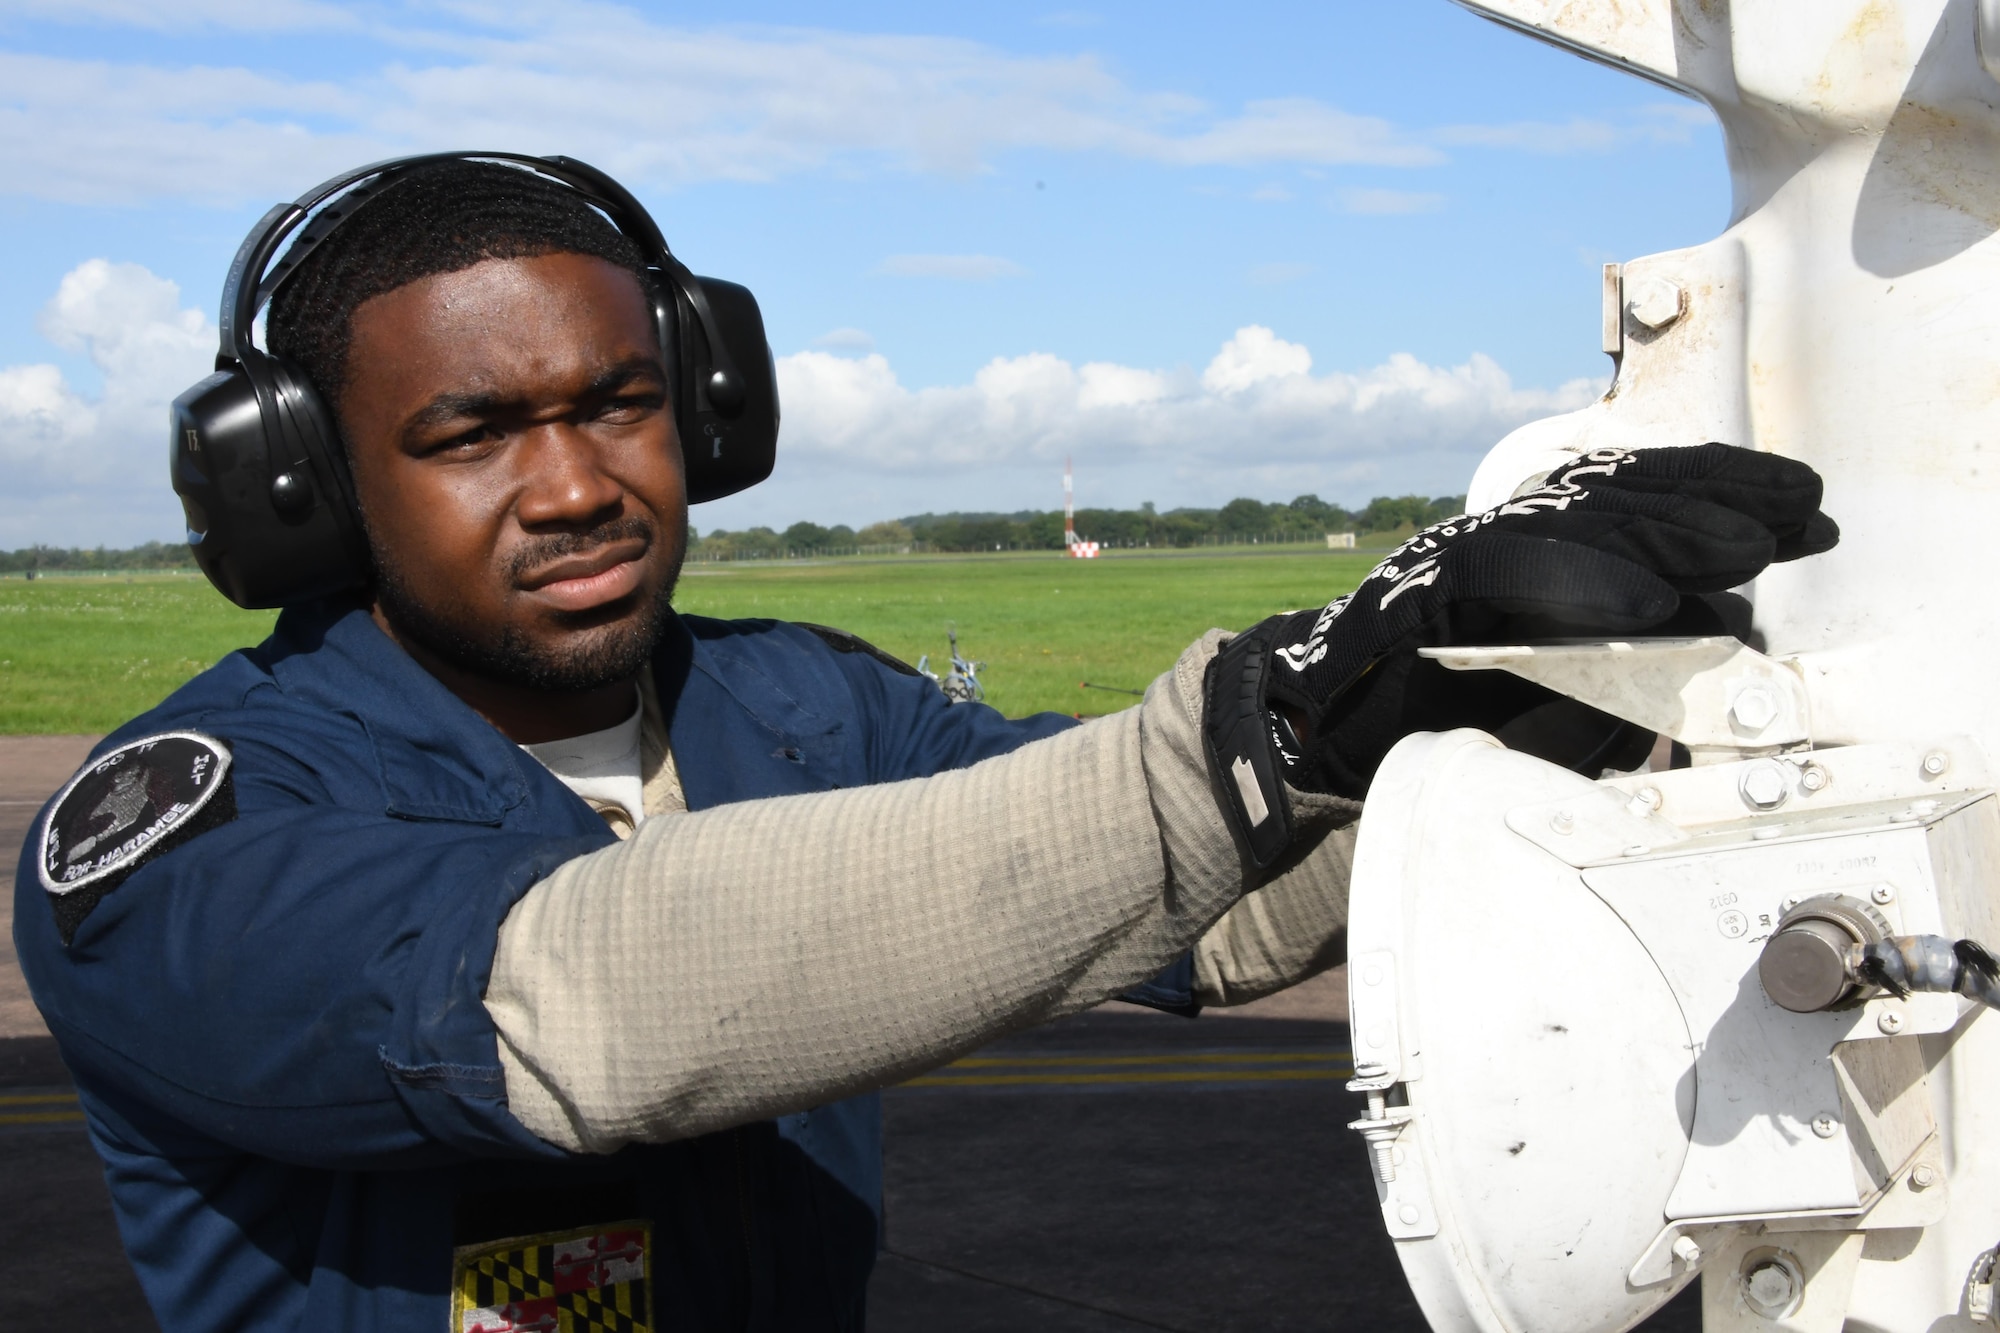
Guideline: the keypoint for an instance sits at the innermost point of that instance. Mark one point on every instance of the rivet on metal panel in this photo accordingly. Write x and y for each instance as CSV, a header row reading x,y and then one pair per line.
x,y
1562,821
1826,1124
1813,778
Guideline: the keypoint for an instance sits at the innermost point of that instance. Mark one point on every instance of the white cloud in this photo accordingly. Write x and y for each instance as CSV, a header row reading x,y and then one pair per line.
x,y
957,268
1277,274
1256,402
845,340
1659,123
1389,202
86,468
634,94
859,445
98,458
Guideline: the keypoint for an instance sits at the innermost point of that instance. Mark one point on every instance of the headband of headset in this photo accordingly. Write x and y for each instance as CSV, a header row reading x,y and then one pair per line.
x,y
256,455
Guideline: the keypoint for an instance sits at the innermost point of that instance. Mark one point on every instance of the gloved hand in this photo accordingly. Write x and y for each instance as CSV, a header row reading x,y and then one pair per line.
x,y
1609,545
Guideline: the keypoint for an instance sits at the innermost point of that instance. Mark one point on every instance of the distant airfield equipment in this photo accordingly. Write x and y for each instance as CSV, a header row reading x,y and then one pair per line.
x,y
1080,550
1749,1042
961,683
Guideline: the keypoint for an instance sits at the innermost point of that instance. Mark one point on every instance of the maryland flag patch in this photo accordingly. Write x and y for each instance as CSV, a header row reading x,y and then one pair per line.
x,y
590,1281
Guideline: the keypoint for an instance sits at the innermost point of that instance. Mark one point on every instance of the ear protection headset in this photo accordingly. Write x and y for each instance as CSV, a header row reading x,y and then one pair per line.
x,y
256,453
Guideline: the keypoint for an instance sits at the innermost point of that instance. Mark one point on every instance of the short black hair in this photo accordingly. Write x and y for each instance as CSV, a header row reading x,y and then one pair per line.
x,y
439,217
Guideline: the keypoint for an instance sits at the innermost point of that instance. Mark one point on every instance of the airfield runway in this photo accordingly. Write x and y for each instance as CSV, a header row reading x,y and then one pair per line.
x,y
1119,1170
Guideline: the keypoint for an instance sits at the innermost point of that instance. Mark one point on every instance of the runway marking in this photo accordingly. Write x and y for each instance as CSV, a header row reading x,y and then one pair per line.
x,y
39,1099
1135,1070
45,1117
1176,1076
1234,1057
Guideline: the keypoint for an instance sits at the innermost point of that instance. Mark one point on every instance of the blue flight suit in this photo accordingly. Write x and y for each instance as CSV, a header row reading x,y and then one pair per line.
x,y
277,1033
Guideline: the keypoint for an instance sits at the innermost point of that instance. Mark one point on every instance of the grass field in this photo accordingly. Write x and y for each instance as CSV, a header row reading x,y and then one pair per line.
x,y
83,655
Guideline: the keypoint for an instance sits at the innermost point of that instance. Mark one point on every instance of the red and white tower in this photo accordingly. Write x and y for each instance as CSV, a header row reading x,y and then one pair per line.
x,y
1082,550
1069,507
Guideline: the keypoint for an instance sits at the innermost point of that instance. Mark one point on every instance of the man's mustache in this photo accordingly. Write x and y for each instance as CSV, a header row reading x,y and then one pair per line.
x,y
538,552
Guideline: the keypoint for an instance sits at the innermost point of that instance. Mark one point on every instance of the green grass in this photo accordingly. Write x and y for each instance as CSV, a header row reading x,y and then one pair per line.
x,y
85,654
1041,624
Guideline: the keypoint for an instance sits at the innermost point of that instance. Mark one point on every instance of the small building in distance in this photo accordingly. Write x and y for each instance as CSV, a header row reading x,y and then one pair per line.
x,y
1339,541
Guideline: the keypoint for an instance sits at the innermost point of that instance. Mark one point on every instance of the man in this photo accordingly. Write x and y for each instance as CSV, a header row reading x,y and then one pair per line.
x,y
505,951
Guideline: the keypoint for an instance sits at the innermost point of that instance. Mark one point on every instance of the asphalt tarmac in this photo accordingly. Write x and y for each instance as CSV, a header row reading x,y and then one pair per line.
x,y
1118,1170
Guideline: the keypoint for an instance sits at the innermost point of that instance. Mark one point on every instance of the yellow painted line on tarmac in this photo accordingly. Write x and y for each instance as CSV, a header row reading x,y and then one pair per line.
x,y
1093,1061
1136,1076
39,1099
43,1117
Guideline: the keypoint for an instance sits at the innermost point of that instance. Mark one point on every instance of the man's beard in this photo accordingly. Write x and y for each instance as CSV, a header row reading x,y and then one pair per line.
x,y
590,659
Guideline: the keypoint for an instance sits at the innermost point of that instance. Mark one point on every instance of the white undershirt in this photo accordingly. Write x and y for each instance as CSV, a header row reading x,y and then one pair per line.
x,y
600,766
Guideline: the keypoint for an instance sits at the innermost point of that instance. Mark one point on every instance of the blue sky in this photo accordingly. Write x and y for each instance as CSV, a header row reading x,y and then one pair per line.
x,y
1267,249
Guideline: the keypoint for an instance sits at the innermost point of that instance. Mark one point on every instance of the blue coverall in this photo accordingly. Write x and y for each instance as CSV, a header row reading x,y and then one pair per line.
x,y
277,1031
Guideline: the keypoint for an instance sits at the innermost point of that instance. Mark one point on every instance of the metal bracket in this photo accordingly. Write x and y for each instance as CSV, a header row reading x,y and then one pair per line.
x,y
1711,694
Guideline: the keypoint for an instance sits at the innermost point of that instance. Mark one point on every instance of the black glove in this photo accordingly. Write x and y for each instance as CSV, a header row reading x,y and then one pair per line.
x,y
1607,546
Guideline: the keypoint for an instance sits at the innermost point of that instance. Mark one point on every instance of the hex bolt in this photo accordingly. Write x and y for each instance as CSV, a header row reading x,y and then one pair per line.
x,y
1935,763
1922,1176
1890,1023
1764,787
1883,894
1656,303
1826,1124
1687,1251
1772,1287
1754,708
1381,1146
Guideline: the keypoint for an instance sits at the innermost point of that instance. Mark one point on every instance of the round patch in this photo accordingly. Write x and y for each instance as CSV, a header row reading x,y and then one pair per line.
x,y
128,803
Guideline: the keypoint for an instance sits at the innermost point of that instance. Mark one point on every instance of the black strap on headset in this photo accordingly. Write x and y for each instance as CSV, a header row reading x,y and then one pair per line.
x,y
249,288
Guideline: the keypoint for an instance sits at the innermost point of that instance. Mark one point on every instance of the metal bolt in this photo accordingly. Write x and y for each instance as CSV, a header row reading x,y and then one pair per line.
x,y
1826,1124
1655,303
1381,1145
1687,1251
1371,975
1935,763
1754,708
1410,1214
1813,778
1922,1176
1650,797
1890,1022
1883,894
1563,822
1764,787
1771,1287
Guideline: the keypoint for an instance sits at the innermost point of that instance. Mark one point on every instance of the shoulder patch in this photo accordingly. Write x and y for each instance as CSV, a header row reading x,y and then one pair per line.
x,y
842,642
126,807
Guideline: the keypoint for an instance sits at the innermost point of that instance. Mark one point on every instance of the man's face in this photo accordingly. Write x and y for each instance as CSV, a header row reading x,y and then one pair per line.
x,y
518,469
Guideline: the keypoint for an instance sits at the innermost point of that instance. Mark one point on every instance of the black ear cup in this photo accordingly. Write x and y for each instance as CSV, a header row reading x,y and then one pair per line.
x,y
729,423
256,456
263,484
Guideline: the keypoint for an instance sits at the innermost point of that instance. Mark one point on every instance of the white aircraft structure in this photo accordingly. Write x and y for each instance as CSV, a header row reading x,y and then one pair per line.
x,y
1710,1023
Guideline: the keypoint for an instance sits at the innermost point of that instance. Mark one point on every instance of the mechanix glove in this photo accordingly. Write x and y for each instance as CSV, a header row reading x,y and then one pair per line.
x,y
1618,542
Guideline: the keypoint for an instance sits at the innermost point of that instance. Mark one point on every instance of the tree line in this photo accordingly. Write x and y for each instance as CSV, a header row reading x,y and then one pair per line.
x,y
1306,518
